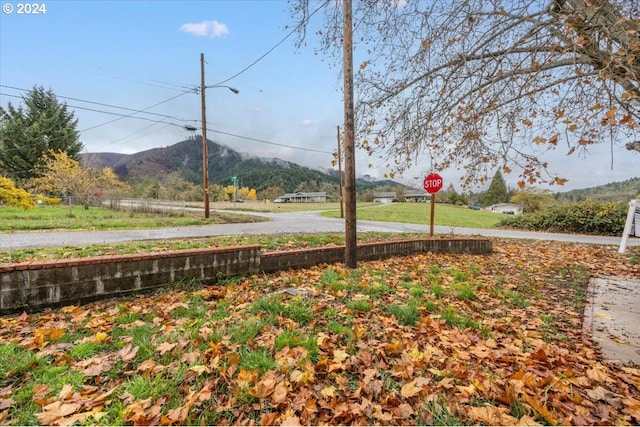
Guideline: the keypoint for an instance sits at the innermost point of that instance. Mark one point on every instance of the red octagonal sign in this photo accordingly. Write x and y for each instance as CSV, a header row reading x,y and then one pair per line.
x,y
432,183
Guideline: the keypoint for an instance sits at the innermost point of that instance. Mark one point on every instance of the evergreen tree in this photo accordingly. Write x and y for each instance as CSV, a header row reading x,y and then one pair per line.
x,y
497,192
29,133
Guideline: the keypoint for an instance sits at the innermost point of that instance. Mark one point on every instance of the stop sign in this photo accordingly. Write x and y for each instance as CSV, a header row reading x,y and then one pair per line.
x,y
432,183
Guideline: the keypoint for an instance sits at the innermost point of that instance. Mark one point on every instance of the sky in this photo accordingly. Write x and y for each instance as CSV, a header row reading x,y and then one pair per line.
x,y
107,59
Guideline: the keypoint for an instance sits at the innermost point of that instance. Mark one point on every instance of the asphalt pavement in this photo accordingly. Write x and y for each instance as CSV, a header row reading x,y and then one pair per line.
x,y
612,316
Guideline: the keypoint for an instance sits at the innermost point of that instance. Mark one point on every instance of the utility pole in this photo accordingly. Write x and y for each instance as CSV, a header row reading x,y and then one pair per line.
x,y
205,155
340,175
350,252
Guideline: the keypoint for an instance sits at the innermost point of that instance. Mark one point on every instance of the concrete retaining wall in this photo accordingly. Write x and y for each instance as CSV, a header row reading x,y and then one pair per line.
x,y
36,285
275,261
32,286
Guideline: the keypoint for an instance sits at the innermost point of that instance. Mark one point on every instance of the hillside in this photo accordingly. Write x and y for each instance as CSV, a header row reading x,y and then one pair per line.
x,y
185,157
614,192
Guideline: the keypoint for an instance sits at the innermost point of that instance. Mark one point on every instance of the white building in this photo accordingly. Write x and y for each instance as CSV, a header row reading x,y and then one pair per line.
x,y
300,197
385,197
506,208
417,196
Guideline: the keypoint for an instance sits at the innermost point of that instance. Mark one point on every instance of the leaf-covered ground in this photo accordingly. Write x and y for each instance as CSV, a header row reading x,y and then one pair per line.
x,y
425,339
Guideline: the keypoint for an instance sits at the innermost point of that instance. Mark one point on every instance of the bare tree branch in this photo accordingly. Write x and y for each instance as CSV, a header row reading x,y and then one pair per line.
x,y
477,84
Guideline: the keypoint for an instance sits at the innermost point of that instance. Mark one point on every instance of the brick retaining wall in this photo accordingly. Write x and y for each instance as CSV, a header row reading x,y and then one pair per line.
x,y
33,286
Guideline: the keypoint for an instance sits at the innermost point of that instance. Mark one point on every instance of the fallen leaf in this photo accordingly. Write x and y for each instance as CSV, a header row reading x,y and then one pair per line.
x,y
488,414
405,411
618,339
526,420
65,392
280,393
340,356
55,412
128,352
328,391
602,316
200,369
190,357
410,389
6,403
165,347
597,374
291,421
100,337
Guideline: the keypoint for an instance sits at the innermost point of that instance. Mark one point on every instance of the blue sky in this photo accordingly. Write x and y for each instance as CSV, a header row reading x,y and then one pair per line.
x,y
135,54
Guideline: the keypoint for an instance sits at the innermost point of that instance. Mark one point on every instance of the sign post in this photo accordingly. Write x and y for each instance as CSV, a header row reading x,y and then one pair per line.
x,y
627,225
432,184
234,179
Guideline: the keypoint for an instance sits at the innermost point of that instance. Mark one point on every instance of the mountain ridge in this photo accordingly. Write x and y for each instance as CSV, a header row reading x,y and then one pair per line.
x,y
185,157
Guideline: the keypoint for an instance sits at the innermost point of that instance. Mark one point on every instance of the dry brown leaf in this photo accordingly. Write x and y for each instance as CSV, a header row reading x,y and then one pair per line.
x,y
128,352
410,389
280,393
165,347
56,412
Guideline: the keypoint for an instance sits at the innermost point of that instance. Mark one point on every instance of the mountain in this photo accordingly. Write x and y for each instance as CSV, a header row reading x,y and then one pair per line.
x,y
614,192
185,157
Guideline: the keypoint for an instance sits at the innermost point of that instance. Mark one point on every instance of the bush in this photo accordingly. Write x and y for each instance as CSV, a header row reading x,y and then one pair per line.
x,y
14,196
588,217
54,201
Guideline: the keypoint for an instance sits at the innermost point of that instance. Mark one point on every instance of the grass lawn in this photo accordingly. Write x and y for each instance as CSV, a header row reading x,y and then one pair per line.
x,y
414,213
426,339
98,218
419,213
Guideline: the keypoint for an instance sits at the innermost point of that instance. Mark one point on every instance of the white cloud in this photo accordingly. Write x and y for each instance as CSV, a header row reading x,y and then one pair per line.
x,y
307,123
212,29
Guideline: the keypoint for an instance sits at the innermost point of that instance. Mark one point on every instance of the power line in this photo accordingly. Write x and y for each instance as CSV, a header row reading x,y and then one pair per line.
x,y
165,85
122,116
135,112
131,135
304,22
102,104
269,142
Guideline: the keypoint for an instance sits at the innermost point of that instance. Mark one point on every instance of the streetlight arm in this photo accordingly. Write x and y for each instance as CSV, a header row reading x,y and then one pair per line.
x,y
232,89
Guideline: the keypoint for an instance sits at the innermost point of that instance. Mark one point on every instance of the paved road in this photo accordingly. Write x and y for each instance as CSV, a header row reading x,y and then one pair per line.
x,y
279,223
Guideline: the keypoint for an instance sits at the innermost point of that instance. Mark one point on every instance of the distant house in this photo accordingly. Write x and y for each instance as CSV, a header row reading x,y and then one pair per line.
x,y
385,197
300,197
506,208
417,196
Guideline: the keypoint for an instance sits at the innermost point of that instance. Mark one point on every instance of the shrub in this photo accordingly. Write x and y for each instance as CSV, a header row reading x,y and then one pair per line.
x,y
588,217
14,196
48,200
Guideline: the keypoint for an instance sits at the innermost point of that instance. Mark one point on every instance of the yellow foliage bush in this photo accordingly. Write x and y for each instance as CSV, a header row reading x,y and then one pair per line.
x,y
13,196
48,200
